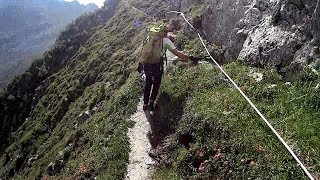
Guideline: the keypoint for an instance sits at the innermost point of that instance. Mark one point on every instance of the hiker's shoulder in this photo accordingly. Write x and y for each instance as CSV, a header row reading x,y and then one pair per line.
x,y
167,40
168,43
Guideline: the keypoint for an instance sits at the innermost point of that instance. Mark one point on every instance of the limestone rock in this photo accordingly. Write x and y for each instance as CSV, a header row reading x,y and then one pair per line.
x,y
270,45
284,34
316,24
189,3
221,17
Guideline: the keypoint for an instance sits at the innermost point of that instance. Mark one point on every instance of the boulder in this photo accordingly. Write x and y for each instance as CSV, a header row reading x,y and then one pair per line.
x,y
270,45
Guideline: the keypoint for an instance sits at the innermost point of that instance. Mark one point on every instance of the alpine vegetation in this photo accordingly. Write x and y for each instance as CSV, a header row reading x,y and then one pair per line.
x,y
68,115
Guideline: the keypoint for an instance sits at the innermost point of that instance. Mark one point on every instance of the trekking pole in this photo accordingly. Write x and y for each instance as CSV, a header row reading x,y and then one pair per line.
x,y
249,101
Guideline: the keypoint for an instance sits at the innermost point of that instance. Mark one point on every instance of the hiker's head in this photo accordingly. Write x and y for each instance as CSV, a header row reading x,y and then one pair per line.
x,y
171,25
174,25
164,29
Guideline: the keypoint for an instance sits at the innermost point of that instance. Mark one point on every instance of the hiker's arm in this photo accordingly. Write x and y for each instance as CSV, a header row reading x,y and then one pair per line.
x,y
168,45
180,54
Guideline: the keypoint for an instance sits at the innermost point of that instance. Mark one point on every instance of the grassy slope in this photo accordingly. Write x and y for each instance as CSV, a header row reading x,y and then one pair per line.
x,y
215,116
97,76
52,142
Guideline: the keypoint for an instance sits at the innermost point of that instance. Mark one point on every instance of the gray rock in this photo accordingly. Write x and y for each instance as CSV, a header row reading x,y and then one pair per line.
x,y
316,64
176,3
32,160
252,18
51,169
316,24
83,117
272,86
270,45
262,5
308,54
64,154
221,17
188,3
94,109
264,32
256,75
11,97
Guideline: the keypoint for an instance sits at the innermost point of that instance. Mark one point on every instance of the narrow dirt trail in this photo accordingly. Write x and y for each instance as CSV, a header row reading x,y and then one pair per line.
x,y
139,159
140,163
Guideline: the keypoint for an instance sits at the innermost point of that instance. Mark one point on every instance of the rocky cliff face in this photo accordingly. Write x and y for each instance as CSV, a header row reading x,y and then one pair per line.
x,y
279,33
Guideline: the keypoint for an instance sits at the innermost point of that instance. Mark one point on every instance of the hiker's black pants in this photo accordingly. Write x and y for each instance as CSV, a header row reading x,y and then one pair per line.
x,y
153,80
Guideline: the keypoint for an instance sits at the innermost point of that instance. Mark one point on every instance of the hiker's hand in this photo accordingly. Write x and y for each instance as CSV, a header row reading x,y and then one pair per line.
x,y
195,60
143,77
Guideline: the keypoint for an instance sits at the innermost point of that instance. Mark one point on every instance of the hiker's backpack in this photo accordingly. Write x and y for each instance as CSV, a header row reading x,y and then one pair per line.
x,y
152,48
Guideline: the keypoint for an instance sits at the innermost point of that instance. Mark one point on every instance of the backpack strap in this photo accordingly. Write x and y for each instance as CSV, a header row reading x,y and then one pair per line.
x,y
164,55
145,36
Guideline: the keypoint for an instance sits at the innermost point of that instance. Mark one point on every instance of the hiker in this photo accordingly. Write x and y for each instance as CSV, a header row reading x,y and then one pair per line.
x,y
152,65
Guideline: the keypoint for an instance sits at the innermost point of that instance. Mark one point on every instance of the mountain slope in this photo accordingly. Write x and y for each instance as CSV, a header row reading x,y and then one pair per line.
x,y
90,77
29,28
68,115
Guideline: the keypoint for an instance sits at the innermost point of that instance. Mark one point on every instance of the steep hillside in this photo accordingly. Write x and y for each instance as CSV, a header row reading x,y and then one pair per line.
x,y
208,130
67,117
29,28
86,71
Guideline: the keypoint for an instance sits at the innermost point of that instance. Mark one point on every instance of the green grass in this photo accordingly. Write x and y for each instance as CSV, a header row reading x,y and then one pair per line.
x,y
107,145
100,74
216,116
100,144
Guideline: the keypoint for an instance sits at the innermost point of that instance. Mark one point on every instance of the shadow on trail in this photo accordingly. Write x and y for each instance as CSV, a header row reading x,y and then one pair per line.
x,y
165,118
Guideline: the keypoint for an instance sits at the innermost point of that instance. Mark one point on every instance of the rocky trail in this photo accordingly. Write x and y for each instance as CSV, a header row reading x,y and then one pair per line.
x,y
140,162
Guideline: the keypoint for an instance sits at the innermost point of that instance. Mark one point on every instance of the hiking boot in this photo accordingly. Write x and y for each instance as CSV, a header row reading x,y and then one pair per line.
x,y
150,107
145,107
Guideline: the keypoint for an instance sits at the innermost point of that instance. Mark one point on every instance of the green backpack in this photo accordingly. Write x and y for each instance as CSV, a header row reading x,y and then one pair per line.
x,y
152,48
